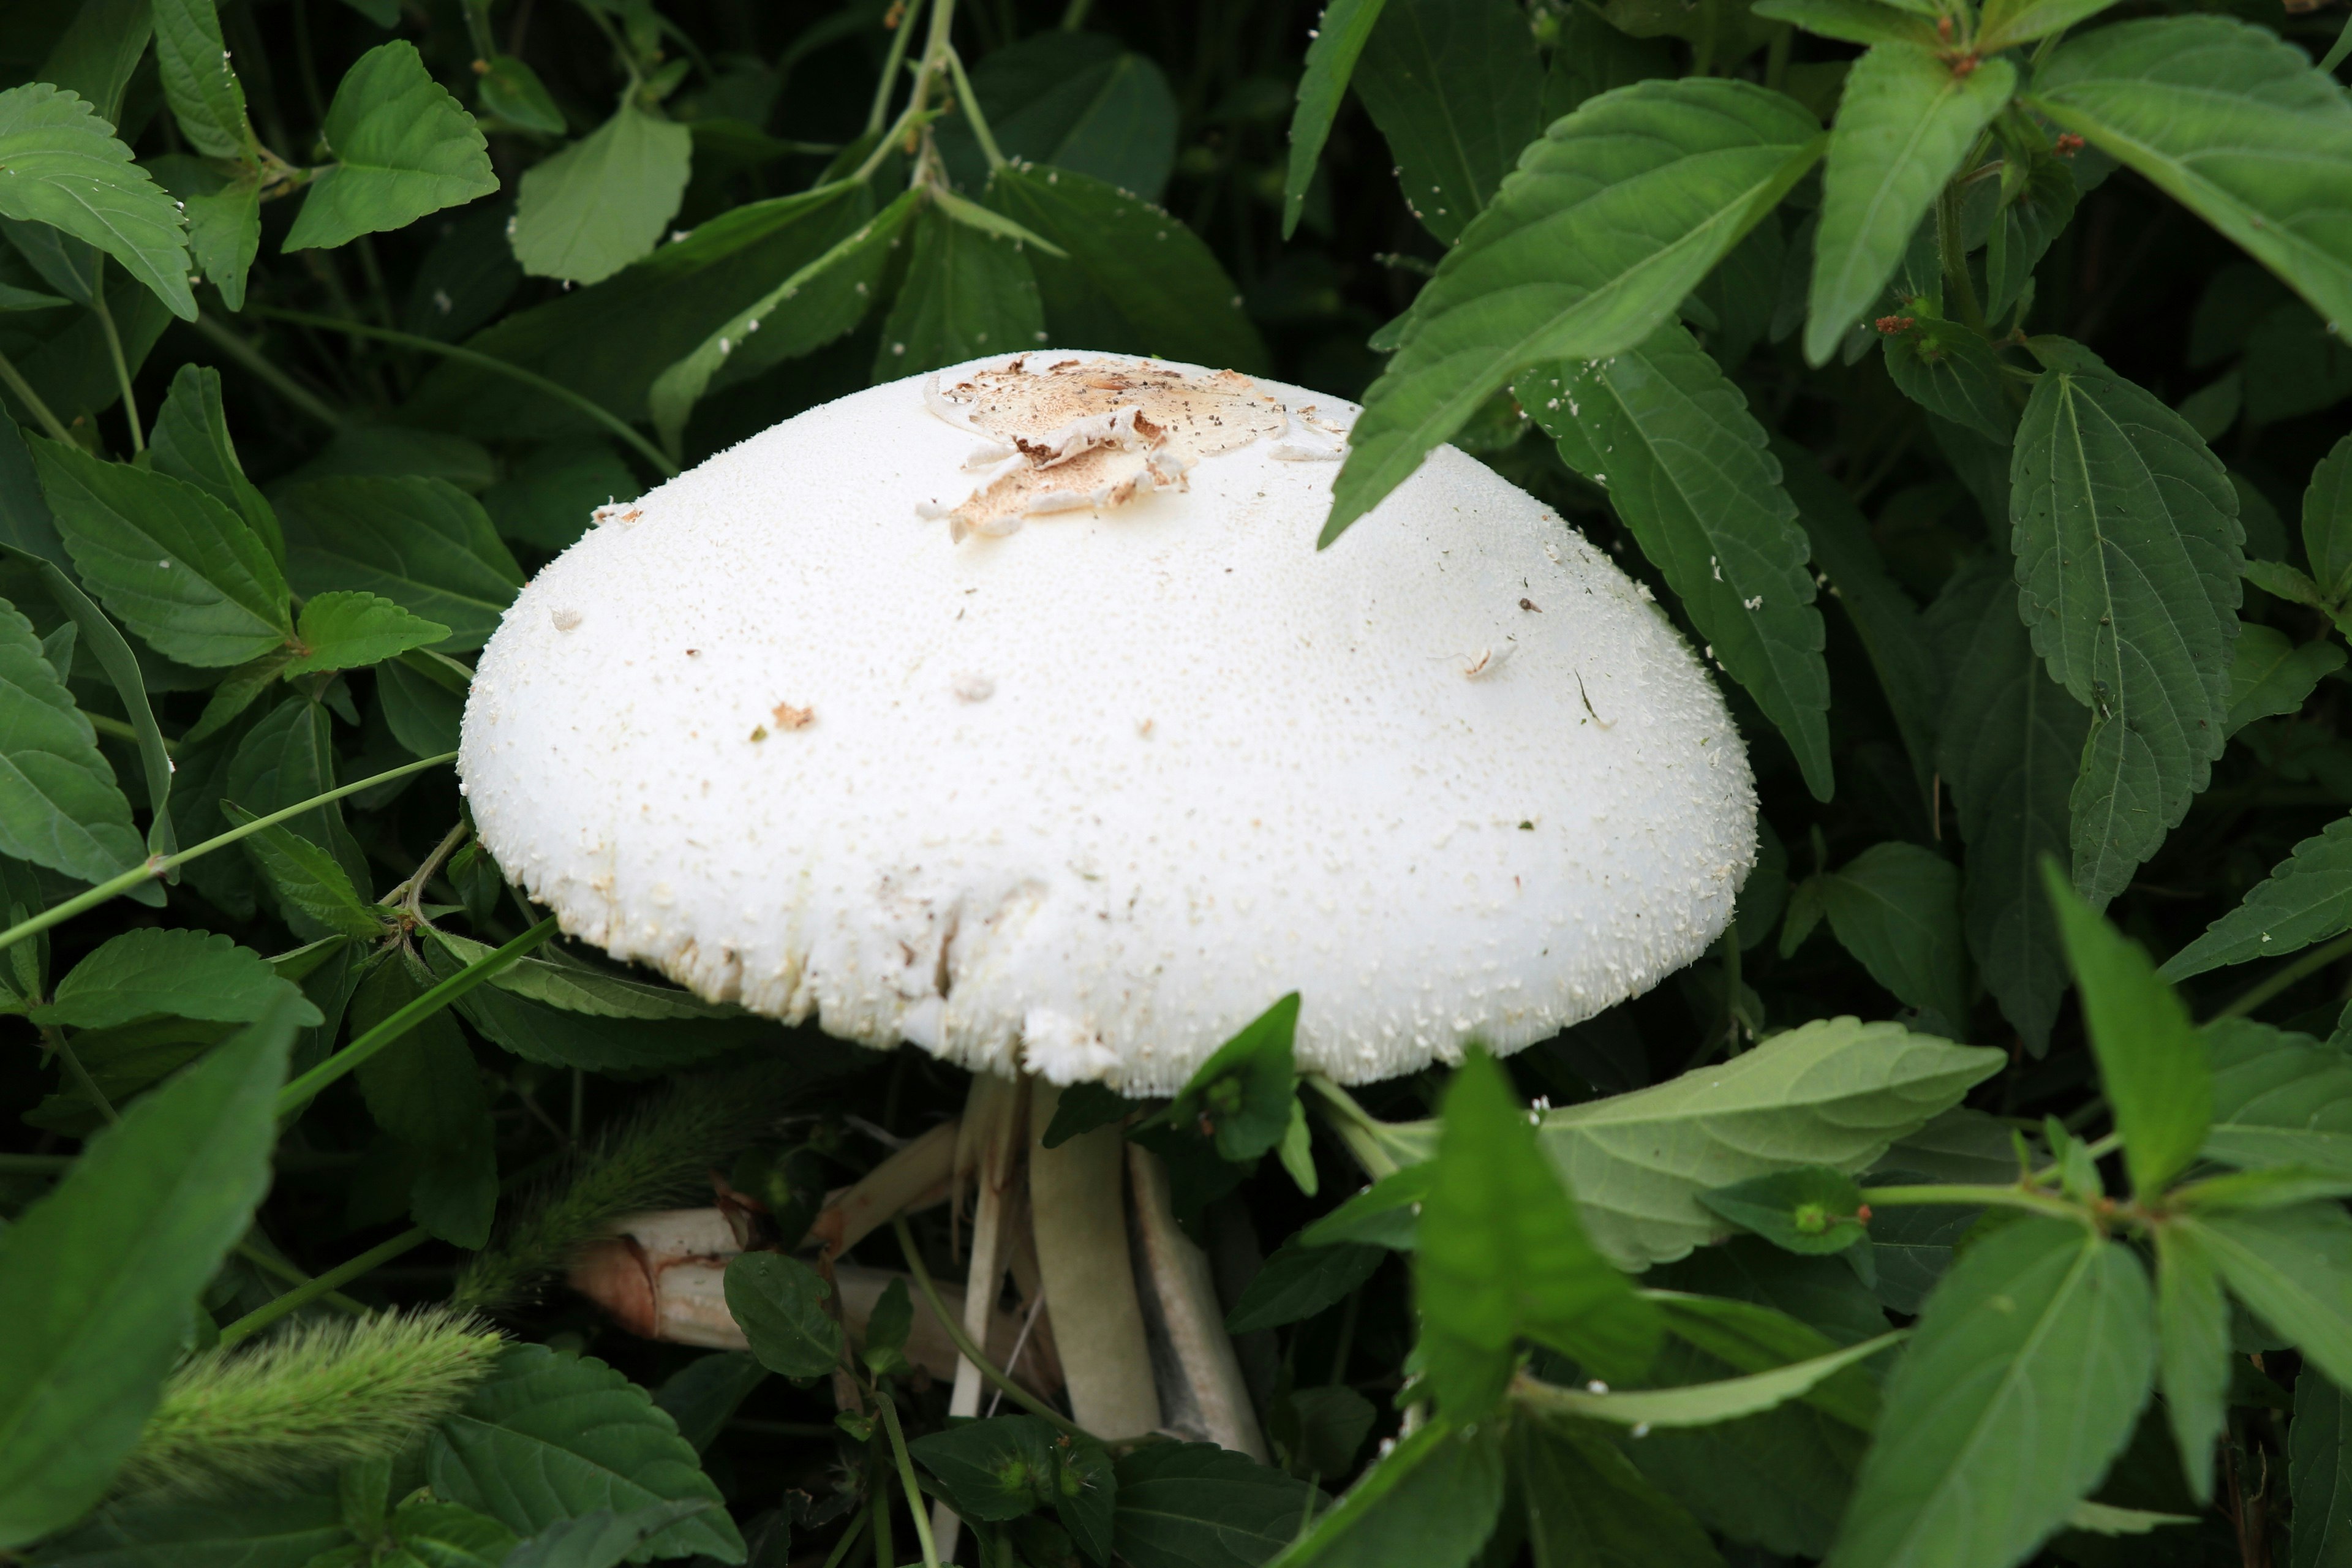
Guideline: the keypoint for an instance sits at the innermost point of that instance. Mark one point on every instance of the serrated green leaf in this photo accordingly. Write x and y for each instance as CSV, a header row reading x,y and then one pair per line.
x,y
2038,195
285,1531
184,974
2294,1268
97,1278
1331,56
98,52
205,97
2287,582
2307,898
2128,550
225,234
2005,24
59,804
1195,1505
2319,1474
1300,1280
967,294
288,758
2229,120
1611,220
67,170
2271,673
552,1437
2192,1320
2327,520
1457,90
1244,1092
1588,1507
423,543
403,146
444,1535
1951,371
1896,907
604,201
318,900
1075,100
779,1302
191,442
1904,124
549,498
992,1470
1811,1209
345,629
173,564
2279,1098
425,1090
1430,1502
1855,21
511,90
575,988
601,1538
1670,437
2023,1380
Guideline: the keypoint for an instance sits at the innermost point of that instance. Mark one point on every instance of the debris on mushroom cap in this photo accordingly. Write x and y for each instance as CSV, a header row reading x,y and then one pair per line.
x,y
1215,763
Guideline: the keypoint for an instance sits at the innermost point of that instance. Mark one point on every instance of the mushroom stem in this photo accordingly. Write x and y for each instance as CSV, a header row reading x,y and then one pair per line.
x,y
1078,1207
989,1148
1186,1293
914,1177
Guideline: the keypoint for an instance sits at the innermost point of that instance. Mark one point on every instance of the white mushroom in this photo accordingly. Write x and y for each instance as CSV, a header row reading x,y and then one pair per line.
x,y
1214,765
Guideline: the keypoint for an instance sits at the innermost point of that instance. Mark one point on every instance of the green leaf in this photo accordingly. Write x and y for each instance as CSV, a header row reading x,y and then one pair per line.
x,y
404,148
98,52
1618,213
604,201
2005,24
1300,1280
575,988
551,1436
512,90
191,442
1832,1092
2152,1063
992,1470
1896,907
1331,55
288,758
318,900
1811,1209
967,293
2294,1268
96,635
1430,1503
347,630
443,1535
601,1538
1195,1505
204,92
1949,369
1670,437
814,305
1135,281
1588,1507
1855,21
2232,123
2272,674
1457,89
423,543
2022,1383
1242,1095
885,1349
2128,545
1075,100
1904,124
703,1396
60,805
173,564
1710,1403
98,1278
1386,1213
2307,898
2327,520
2278,1099
67,170
425,1090
184,974
548,498
2319,1474
2192,1319
778,1303
282,1530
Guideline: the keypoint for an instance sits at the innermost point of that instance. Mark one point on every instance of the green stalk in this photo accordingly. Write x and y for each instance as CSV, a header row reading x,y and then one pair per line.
x,y
906,1479
1961,1196
969,102
1361,1132
156,866
972,1353
17,383
254,360
115,350
105,725
341,1274
849,1536
1952,247
2318,958
270,1263
879,115
78,1073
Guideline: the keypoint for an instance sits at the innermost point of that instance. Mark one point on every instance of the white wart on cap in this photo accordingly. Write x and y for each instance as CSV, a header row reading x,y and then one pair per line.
x,y
1013,712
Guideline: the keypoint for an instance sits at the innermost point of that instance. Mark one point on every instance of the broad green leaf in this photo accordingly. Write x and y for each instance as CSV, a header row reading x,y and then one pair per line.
x,y
1135,281
205,97
67,169
2272,674
1321,1430
1331,55
223,225
604,201
2319,1474
2294,1268
1386,1213
1832,1092
1195,1505
349,630
403,146
1075,100
553,1436
2152,1062
2233,123
1904,124
1618,213
1949,369
814,305
60,805
1811,1209
443,1535
512,90
2307,898
549,498
703,1396
191,442
2192,1320
184,974
1709,1404
423,543
779,1302
1503,1256
2023,1380
575,988
1242,1094
601,1538
173,564
2279,1098
2005,24
1782,1307
289,757
1430,1503
2128,544
1588,1507
554,1037
885,1348
1590,58
992,1470
967,294
2010,746
1299,1281
1457,89
1669,437
2037,199
98,1278
425,1090
98,52
2327,520
1855,21
316,894
285,1529
1896,907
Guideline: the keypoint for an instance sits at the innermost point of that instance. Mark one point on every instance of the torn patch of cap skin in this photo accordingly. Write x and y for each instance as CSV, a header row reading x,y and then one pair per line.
x,y
1214,764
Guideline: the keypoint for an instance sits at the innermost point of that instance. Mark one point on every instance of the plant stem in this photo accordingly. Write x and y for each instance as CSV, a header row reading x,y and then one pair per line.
x,y
533,379
115,350
969,102
972,1353
849,1536
879,115
2318,958
886,1553
1975,1197
156,866
1952,247
1373,1142
342,1274
906,1479
303,1090
270,1263
254,360
17,382
412,892
120,731
78,1073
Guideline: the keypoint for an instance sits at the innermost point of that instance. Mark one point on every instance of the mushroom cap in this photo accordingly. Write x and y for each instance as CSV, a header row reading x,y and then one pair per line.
x,y
1087,798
